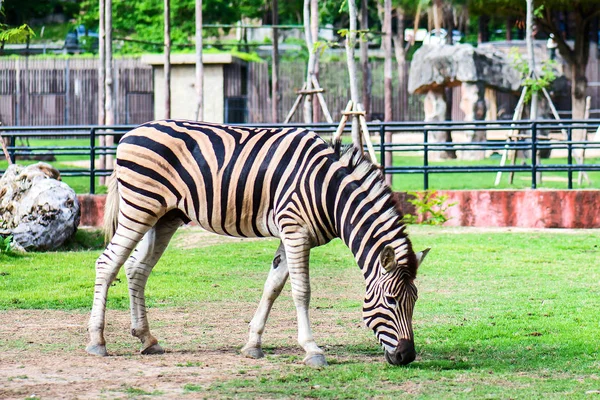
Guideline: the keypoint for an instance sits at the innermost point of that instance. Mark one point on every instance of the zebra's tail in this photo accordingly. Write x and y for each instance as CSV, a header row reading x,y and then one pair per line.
x,y
111,208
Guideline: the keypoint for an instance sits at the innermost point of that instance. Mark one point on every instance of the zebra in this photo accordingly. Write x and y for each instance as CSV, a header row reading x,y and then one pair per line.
x,y
286,183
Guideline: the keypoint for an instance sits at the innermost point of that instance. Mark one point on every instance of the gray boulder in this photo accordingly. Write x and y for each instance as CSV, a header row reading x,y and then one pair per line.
x,y
435,67
36,208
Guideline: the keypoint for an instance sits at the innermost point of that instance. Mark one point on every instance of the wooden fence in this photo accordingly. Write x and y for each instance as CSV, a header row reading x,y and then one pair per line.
x,y
64,91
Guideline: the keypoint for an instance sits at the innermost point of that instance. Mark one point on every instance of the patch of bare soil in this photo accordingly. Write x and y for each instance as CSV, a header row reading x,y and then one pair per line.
x,y
42,351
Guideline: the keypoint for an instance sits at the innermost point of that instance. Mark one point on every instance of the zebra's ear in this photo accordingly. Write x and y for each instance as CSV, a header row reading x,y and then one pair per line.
x,y
421,255
387,258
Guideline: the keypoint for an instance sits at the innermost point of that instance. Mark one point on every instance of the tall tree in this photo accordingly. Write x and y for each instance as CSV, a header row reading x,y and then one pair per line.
x,y
310,70
109,86
275,65
354,96
167,51
102,83
387,77
314,29
364,57
199,64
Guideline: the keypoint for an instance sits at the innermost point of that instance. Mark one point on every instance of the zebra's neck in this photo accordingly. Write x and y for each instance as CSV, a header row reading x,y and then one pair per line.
x,y
365,217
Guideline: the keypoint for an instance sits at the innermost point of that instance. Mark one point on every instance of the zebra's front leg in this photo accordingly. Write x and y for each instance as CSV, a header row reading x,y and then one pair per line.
x,y
273,286
298,253
138,268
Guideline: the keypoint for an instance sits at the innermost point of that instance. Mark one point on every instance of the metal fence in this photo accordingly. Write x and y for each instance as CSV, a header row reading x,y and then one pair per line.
x,y
408,137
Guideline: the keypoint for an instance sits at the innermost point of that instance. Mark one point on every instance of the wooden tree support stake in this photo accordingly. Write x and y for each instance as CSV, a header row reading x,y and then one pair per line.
x,y
358,116
310,89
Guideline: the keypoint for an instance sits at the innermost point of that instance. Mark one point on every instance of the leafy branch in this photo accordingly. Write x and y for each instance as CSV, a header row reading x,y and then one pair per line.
x,y
534,83
15,35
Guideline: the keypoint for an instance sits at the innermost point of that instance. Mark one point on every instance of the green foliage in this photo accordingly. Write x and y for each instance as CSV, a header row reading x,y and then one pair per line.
x,y
430,205
534,84
15,35
6,244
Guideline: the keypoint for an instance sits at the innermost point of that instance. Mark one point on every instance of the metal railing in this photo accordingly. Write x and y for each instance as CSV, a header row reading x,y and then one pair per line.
x,y
413,137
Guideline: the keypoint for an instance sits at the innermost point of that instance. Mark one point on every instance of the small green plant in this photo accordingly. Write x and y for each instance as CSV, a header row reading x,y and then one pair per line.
x,y
430,205
6,244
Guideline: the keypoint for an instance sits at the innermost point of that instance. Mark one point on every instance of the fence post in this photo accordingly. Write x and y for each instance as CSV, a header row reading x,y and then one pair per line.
x,y
425,160
382,148
533,155
12,142
570,158
92,160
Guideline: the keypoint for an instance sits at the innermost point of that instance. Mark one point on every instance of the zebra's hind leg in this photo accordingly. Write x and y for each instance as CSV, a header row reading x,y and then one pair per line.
x,y
138,268
273,286
107,268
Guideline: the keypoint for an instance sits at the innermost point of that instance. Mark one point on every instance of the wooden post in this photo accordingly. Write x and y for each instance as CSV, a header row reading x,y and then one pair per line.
x,y
275,66
167,51
199,64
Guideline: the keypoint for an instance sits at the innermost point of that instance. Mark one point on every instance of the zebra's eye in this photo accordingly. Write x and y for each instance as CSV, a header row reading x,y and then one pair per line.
x,y
391,301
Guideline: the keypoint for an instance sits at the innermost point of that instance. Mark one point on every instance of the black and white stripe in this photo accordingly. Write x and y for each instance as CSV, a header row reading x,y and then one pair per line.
x,y
255,182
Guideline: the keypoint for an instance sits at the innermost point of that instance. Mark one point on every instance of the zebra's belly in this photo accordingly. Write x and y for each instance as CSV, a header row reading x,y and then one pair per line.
x,y
240,224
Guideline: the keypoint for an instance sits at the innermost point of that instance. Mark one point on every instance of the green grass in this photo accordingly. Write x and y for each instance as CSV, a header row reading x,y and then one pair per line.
x,y
500,315
80,184
485,180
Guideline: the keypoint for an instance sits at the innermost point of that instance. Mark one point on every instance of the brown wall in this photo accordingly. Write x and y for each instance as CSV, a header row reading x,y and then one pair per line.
x,y
483,208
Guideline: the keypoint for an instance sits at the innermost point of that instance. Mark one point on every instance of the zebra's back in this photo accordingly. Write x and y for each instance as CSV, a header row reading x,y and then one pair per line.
x,y
230,180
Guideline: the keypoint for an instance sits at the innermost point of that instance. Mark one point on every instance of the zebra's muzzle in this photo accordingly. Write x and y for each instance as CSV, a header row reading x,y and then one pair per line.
x,y
404,354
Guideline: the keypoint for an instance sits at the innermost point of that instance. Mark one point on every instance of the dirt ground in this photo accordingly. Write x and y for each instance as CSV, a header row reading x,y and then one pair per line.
x,y
42,353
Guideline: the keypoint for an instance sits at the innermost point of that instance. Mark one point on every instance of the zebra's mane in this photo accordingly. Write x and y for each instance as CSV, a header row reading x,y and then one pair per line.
x,y
361,168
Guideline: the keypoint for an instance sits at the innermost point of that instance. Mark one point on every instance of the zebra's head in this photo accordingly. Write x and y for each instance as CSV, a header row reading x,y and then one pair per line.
x,y
390,301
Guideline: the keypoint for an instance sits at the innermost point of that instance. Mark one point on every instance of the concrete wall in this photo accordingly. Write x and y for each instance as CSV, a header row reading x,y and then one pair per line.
x,y
183,88
483,208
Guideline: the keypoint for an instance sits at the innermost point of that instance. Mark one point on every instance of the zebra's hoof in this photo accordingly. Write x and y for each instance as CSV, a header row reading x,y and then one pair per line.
x,y
154,349
253,352
315,360
97,350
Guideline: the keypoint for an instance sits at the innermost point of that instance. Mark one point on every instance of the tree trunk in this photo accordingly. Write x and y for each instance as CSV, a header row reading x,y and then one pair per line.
x,y
311,62
167,50
483,34
364,59
275,66
449,23
199,64
387,78
437,15
101,84
354,96
400,54
109,87
314,28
